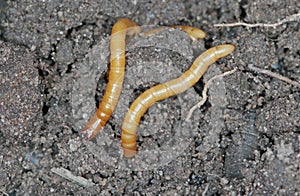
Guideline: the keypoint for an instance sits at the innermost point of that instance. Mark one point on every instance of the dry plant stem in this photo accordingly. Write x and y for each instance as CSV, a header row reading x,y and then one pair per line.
x,y
4,193
68,175
275,75
204,93
290,18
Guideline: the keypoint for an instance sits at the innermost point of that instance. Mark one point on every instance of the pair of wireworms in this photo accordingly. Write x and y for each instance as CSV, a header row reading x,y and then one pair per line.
x,y
150,96
120,29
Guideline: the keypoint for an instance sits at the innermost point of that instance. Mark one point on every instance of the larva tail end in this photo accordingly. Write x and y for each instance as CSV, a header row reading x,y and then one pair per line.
x,y
88,133
129,150
129,153
93,127
224,50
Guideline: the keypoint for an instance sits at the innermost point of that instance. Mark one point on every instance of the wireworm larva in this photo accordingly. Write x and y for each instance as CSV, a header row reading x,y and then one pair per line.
x,y
193,32
116,76
165,90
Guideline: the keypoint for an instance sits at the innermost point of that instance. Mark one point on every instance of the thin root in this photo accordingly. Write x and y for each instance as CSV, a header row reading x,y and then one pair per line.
x,y
275,75
290,18
204,93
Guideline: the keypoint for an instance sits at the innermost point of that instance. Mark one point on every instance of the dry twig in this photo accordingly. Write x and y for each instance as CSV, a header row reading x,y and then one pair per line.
x,y
4,193
204,93
275,75
290,18
68,175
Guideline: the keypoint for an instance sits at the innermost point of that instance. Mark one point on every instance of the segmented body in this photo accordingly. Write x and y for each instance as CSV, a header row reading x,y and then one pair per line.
x,y
193,32
116,76
165,90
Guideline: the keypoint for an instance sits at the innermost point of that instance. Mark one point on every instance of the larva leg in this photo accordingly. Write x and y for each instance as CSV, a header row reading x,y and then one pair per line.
x,y
116,77
193,32
165,90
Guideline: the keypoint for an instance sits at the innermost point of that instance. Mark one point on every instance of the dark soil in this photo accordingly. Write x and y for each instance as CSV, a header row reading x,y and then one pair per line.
x,y
54,57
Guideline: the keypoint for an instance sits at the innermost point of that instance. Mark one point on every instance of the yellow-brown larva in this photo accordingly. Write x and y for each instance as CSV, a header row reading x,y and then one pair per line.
x,y
193,32
116,77
165,90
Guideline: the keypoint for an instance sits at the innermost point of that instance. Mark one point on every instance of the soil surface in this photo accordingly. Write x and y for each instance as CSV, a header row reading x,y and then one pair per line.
x,y
54,60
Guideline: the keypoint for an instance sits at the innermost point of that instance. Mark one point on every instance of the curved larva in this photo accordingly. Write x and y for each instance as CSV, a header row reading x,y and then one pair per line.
x,y
193,32
116,76
165,90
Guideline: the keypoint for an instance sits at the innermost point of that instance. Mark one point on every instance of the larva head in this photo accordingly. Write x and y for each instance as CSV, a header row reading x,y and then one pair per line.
x,y
196,34
224,50
193,32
